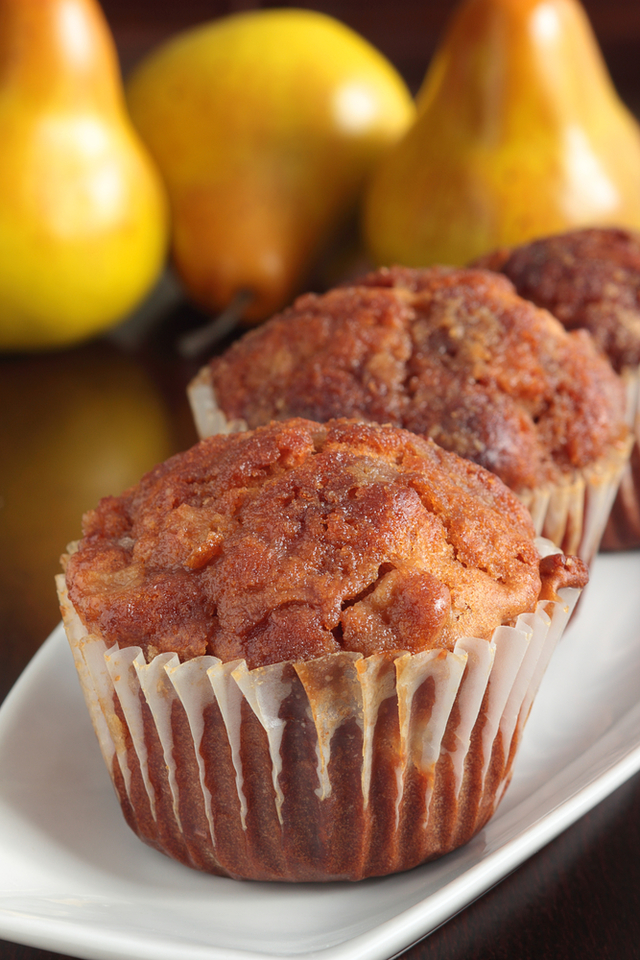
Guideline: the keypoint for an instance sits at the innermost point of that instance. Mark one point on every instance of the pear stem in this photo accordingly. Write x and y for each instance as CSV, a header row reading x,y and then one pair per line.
x,y
195,342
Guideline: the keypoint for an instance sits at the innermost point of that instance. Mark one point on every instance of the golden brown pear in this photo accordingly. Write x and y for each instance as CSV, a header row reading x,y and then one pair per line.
x,y
519,134
83,214
264,125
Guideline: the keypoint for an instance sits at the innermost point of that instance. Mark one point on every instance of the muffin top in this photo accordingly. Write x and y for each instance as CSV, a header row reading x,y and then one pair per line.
x,y
586,278
300,539
450,353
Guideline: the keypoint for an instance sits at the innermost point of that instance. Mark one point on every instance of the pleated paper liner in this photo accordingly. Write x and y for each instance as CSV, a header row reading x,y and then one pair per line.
x,y
572,514
622,531
336,768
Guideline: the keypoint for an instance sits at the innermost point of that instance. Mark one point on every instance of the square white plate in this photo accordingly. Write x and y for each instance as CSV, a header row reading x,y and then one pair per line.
x,y
74,879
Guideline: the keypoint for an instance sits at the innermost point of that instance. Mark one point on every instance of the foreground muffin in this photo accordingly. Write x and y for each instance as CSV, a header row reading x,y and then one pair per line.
x,y
591,279
453,354
309,650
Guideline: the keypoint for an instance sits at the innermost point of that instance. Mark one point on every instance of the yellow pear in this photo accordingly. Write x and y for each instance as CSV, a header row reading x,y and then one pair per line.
x,y
519,133
83,213
264,125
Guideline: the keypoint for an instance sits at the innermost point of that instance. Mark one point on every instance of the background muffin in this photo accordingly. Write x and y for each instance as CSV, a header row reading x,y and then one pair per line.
x,y
449,353
591,279
309,650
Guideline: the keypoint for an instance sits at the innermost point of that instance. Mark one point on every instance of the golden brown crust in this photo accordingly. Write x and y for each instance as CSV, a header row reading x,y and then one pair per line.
x,y
449,353
586,278
300,539
558,571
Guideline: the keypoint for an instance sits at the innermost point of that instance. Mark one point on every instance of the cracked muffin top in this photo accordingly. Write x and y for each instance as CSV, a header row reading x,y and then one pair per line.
x,y
586,278
300,539
450,353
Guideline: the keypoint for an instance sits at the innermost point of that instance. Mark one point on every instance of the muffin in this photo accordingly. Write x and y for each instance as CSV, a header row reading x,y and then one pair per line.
x,y
309,650
591,279
453,354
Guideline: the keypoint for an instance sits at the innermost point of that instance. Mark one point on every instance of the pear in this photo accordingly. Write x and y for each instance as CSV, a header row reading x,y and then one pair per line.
x,y
520,133
83,212
264,125
84,423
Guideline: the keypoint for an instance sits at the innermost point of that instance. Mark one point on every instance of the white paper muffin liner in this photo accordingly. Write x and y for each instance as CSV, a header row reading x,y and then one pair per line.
x,y
336,768
573,514
623,527
207,415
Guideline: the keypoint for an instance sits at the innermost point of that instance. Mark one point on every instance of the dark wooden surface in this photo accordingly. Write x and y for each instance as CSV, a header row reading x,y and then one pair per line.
x,y
577,898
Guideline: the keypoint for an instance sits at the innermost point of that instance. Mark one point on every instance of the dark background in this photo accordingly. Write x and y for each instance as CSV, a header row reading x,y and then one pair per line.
x,y
577,898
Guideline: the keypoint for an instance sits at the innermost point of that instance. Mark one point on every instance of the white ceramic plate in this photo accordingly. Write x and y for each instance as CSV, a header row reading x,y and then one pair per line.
x,y
74,879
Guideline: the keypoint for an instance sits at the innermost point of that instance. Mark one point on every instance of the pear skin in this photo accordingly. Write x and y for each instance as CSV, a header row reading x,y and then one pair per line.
x,y
83,212
264,125
520,133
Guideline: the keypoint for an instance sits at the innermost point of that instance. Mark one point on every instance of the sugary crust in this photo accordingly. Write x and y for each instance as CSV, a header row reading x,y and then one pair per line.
x,y
558,572
298,540
586,278
449,353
